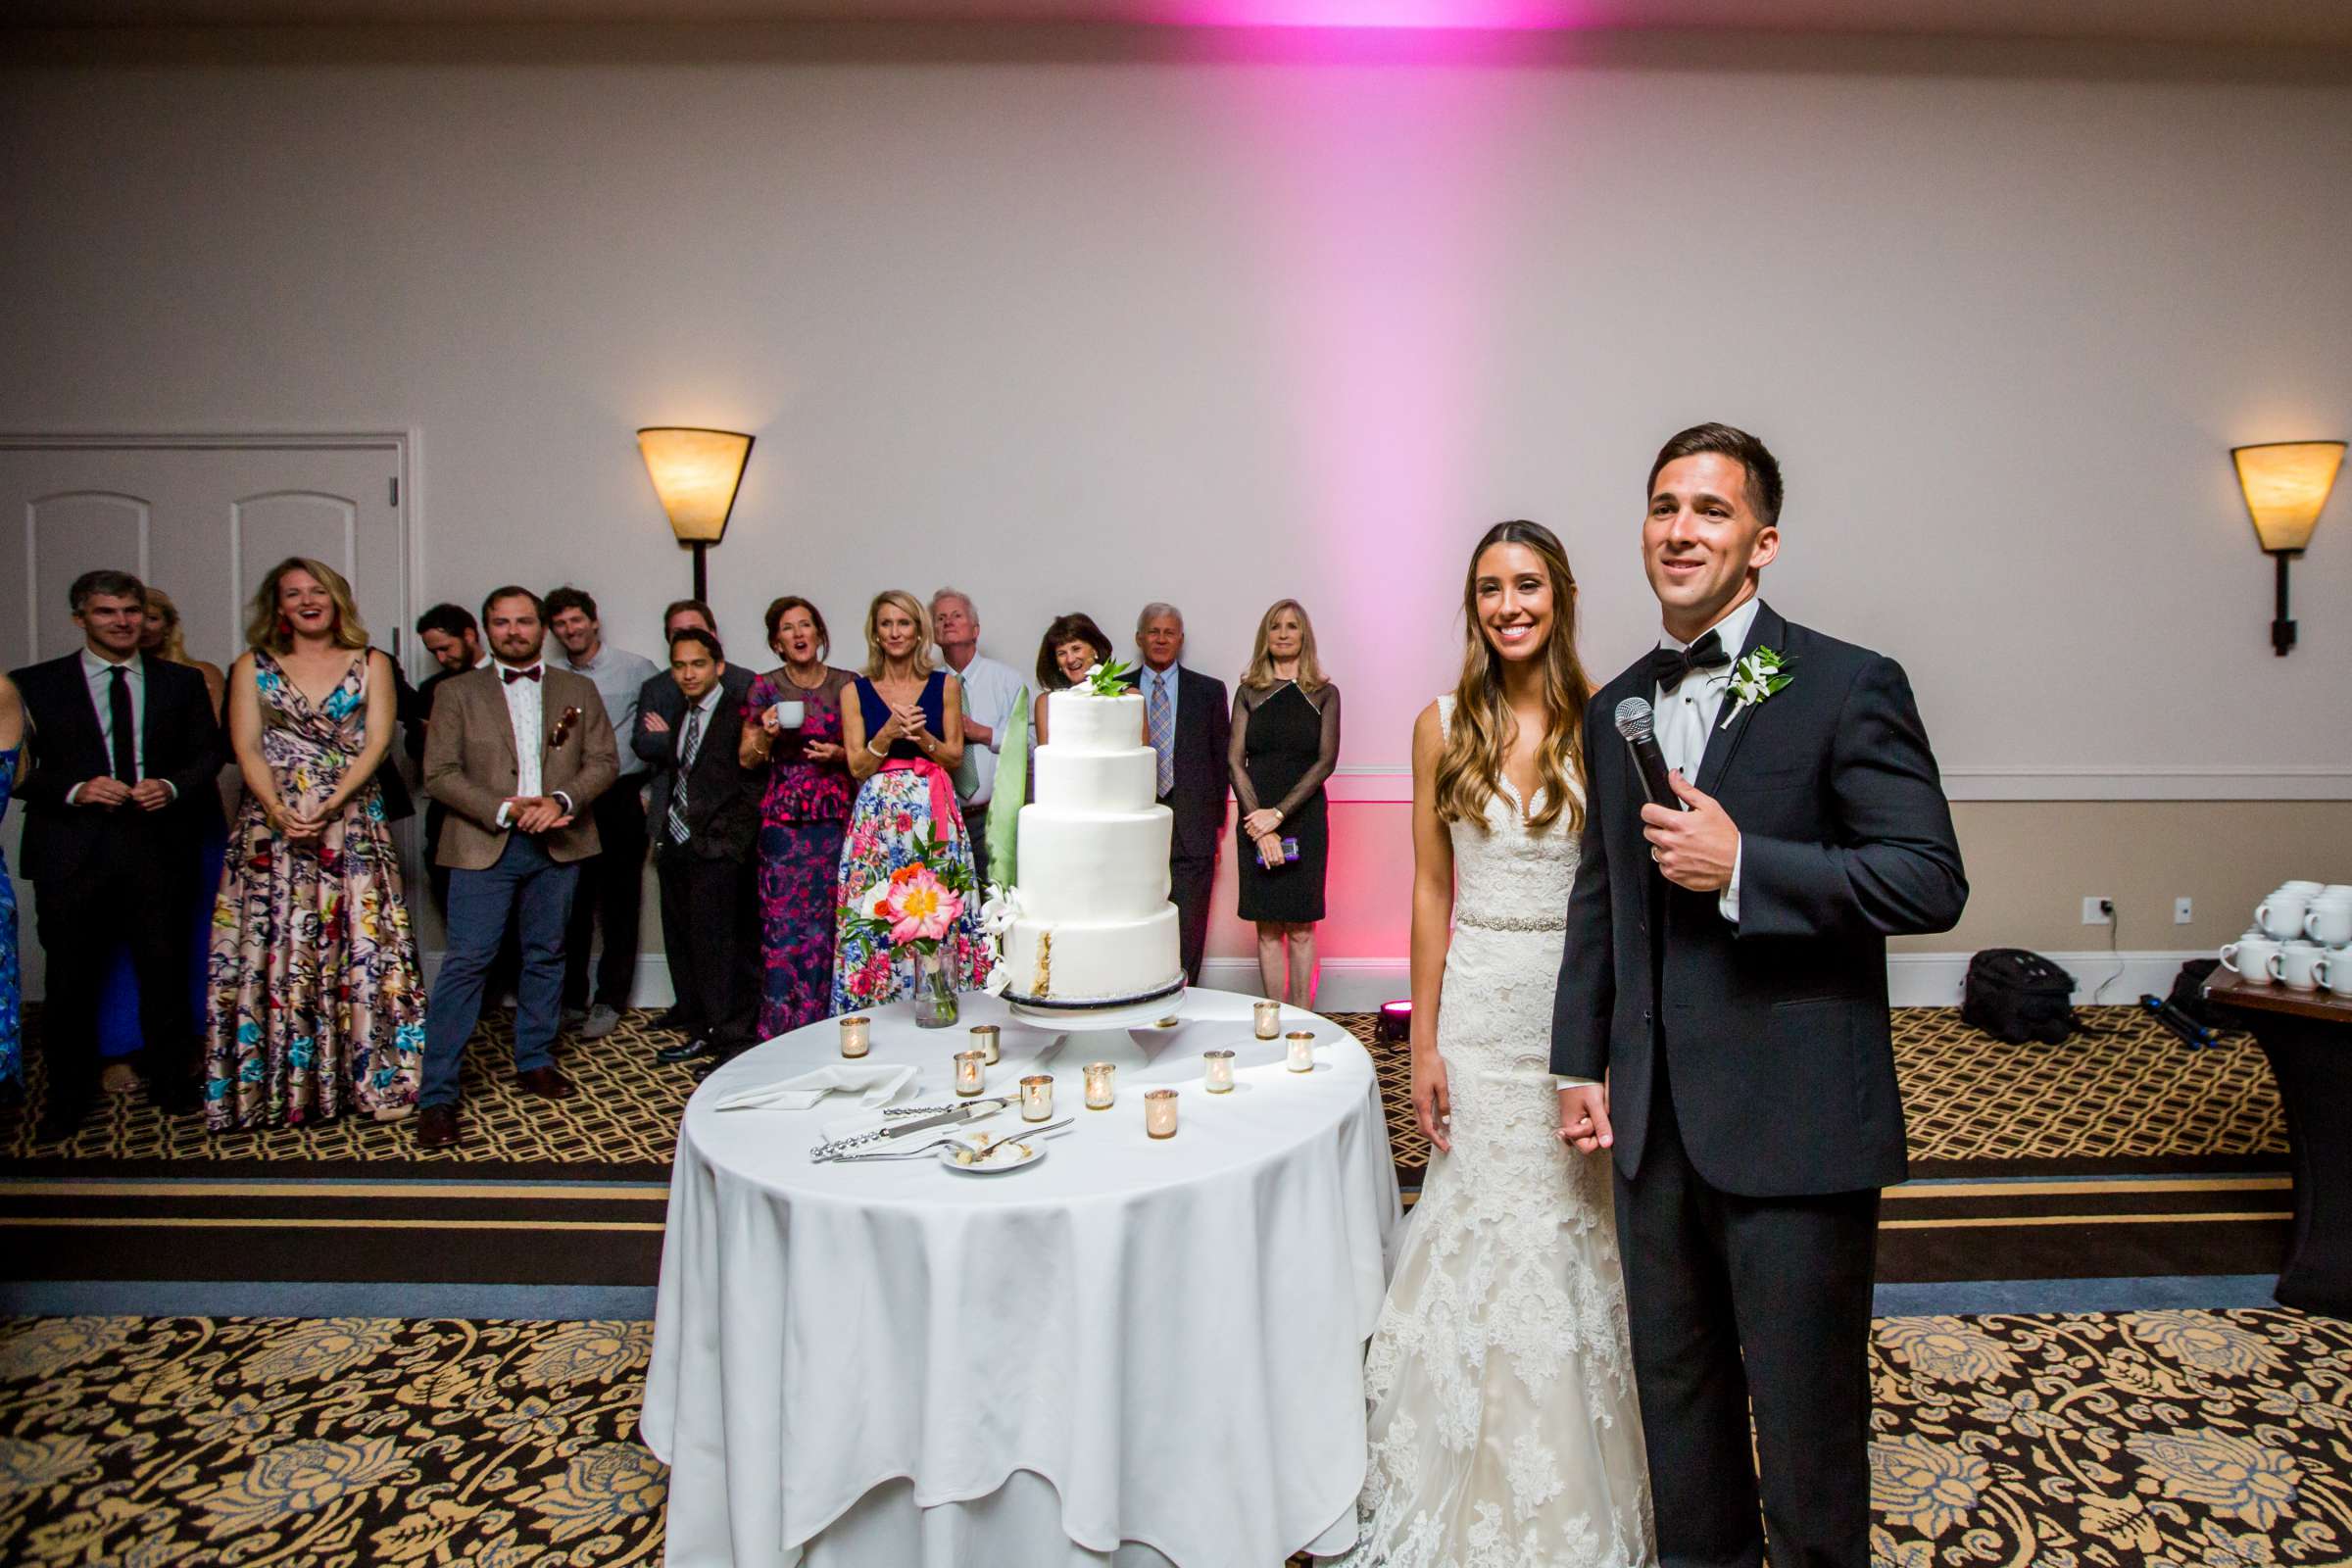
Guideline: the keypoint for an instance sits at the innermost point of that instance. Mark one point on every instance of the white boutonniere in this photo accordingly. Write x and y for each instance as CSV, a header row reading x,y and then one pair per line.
x,y
1755,678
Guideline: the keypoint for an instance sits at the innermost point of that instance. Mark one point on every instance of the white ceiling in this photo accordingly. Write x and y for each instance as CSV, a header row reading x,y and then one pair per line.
x,y
2312,24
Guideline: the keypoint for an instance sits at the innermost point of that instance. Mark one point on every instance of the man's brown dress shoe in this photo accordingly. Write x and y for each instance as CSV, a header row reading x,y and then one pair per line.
x,y
547,1081
437,1127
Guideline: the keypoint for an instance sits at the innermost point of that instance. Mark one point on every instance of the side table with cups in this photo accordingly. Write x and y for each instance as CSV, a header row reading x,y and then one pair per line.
x,y
2288,981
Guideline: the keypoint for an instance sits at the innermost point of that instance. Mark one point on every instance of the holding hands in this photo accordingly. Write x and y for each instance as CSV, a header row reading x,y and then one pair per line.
x,y
105,791
1584,1118
537,813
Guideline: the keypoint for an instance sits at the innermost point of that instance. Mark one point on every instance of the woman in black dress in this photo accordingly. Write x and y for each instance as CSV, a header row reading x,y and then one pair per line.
x,y
1286,740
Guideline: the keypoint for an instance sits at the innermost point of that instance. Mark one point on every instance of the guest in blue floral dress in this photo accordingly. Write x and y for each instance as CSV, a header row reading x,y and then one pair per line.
x,y
315,999
12,1032
904,735
792,727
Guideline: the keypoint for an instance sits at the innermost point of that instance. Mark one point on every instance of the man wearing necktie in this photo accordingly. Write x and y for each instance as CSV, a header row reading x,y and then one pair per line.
x,y
516,752
704,818
1721,1025
128,754
1190,722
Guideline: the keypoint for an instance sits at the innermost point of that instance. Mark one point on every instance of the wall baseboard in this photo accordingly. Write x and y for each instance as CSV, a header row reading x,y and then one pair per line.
x,y
1360,985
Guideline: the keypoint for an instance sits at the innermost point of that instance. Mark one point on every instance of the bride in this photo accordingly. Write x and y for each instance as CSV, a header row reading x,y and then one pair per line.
x,y
1504,1431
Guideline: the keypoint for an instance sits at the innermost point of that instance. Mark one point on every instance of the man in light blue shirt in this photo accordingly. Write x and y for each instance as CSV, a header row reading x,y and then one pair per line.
x,y
990,689
612,881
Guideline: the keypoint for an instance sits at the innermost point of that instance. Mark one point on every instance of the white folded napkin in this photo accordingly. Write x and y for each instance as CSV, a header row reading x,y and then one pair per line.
x,y
877,1083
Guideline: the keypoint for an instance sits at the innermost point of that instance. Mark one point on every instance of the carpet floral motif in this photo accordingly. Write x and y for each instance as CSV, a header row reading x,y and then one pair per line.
x,y
2175,1440
341,1443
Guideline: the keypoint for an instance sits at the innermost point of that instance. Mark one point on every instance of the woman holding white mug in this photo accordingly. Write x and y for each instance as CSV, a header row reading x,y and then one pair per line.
x,y
802,813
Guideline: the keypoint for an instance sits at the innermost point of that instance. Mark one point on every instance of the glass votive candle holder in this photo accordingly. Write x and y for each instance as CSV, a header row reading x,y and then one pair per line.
x,y
968,1066
1160,1112
984,1041
1266,1018
1217,1071
1036,1098
1100,1077
857,1036
1301,1057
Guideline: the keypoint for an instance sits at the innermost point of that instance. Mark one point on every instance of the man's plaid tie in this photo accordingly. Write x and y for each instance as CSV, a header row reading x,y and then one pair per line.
x,y
1163,738
691,742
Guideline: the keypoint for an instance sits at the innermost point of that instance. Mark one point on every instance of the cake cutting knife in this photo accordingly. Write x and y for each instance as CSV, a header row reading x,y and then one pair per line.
x,y
954,1116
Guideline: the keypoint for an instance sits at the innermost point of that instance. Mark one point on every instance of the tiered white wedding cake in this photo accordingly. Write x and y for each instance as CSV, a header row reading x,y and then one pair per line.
x,y
1094,928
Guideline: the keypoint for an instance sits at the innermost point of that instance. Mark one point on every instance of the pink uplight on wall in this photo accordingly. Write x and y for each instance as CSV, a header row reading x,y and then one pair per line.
x,y
1468,16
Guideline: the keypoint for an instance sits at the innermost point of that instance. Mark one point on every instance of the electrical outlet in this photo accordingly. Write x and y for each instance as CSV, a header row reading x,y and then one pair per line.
x,y
2182,911
2098,909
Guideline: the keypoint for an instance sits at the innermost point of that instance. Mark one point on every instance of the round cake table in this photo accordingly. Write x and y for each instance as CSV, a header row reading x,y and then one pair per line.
x,y
1130,1351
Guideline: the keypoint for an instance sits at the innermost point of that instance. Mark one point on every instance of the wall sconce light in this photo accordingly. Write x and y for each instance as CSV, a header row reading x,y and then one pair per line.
x,y
2287,485
696,472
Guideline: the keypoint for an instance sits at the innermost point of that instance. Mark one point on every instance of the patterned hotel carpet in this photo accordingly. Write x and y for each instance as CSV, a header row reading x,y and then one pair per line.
x,y
2133,1098
2166,1439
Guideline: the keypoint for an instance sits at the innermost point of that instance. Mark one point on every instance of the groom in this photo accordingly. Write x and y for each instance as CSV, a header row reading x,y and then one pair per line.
x,y
1726,974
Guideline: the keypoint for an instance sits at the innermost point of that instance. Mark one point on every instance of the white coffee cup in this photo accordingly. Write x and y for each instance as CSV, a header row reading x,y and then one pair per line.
x,y
2310,889
790,716
2280,915
2296,962
2336,890
2251,958
2328,922
2339,971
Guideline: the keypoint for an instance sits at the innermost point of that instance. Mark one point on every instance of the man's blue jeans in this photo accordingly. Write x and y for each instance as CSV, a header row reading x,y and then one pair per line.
x,y
533,891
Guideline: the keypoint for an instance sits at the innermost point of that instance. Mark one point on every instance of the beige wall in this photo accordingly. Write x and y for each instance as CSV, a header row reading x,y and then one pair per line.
x,y
1097,326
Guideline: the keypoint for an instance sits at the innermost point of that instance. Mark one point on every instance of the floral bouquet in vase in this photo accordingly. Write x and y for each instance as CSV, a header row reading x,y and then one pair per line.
x,y
916,912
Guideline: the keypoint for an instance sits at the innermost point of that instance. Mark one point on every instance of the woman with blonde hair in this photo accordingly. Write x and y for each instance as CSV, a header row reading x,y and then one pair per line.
x,y
162,638
1286,741
902,726
317,1001
1504,1333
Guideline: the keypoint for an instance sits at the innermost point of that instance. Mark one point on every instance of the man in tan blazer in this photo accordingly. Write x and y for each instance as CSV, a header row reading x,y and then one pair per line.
x,y
516,751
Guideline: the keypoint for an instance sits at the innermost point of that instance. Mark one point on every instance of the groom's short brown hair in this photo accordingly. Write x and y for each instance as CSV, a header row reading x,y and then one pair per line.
x,y
1763,468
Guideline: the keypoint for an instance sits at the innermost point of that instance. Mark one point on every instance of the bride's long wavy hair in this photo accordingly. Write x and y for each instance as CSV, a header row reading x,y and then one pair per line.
x,y
1483,729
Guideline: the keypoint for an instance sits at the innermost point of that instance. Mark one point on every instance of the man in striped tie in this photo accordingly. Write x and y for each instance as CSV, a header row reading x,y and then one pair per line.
x,y
1190,722
704,820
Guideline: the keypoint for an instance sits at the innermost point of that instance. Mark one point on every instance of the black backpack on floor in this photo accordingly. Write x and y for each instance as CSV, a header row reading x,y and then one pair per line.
x,y
2018,995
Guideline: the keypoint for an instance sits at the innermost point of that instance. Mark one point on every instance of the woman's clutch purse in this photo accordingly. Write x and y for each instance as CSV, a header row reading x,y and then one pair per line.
x,y
1290,853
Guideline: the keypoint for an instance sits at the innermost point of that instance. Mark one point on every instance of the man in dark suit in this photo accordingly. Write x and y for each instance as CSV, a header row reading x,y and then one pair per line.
x,y
127,751
1725,972
454,638
704,820
1190,723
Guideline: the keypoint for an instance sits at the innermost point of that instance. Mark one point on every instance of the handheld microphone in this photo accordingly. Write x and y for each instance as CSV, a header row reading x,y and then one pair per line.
x,y
1637,724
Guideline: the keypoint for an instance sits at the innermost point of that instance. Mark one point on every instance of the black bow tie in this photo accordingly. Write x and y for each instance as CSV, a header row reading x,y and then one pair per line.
x,y
1668,665
532,674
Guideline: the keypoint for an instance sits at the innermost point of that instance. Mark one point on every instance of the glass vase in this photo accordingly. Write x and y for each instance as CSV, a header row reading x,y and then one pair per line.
x,y
934,991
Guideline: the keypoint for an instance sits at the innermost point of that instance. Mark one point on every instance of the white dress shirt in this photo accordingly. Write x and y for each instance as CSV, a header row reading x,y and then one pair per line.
x,y
99,674
526,713
1687,717
990,689
1686,720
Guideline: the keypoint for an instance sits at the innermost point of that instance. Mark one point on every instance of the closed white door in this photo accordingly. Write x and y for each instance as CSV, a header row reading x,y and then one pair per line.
x,y
204,521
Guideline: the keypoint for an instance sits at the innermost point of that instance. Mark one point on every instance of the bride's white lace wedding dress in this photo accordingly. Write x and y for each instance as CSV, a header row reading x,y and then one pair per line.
x,y
1504,1431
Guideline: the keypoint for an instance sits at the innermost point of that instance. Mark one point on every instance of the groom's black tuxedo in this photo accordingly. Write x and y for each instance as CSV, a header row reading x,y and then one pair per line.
x,y
1752,1089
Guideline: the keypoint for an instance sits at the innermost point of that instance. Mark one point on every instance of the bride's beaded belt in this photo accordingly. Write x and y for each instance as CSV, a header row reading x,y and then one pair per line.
x,y
1513,922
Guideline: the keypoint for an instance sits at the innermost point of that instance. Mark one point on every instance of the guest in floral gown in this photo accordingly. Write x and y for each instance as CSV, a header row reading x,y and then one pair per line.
x,y
12,1033
317,1001
793,729
904,735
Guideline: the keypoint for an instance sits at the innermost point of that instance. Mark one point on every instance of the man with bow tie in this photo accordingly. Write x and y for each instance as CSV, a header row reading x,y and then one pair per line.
x,y
1721,1020
516,752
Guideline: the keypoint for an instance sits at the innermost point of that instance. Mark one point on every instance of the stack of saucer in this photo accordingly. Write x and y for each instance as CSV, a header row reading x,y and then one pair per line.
x,y
2301,938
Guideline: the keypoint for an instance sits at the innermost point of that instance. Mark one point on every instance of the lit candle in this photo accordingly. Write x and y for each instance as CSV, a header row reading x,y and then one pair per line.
x,y
968,1072
1036,1098
1302,1050
984,1041
1217,1071
1098,1076
857,1036
1160,1112
1267,1018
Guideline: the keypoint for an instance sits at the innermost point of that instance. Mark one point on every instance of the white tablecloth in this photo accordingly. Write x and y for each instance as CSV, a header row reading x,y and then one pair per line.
x,y
1168,1333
